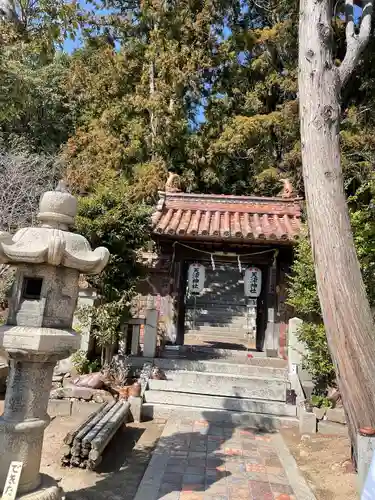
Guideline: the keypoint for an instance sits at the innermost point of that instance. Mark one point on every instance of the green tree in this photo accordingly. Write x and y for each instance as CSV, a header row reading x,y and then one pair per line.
x,y
166,55
33,103
108,217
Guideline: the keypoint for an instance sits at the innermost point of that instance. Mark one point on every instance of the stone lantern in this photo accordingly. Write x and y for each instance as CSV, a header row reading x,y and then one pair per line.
x,y
48,261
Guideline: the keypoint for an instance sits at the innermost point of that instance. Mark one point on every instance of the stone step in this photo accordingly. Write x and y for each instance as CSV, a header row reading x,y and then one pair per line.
x,y
221,312
225,300
252,420
217,330
220,318
222,385
203,352
230,368
221,403
209,329
219,333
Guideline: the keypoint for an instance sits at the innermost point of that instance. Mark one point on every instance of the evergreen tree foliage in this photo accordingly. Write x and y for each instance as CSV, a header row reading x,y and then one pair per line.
x,y
205,89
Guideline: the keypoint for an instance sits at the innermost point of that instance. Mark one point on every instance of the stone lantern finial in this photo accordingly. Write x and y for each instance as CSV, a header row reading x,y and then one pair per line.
x,y
58,208
62,186
38,331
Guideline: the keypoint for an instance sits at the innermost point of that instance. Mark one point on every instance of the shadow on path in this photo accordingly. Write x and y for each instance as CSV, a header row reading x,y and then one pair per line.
x,y
198,456
188,457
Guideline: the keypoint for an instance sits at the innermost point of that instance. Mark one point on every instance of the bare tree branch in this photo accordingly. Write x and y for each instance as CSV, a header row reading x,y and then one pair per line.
x,y
355,43
23,178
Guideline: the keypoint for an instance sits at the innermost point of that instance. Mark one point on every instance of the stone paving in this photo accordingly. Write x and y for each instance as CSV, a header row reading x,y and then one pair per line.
x,y
202,460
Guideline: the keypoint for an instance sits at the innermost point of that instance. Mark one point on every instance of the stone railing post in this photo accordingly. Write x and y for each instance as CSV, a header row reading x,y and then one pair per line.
x,y
296,349
151,333
86,298
38,331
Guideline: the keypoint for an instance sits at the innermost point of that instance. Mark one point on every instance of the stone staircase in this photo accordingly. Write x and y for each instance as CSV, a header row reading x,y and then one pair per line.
x,y
249,391
222,328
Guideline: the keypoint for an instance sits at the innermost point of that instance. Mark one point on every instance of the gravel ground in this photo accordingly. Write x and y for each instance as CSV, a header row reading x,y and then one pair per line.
x,y
324,461
124,461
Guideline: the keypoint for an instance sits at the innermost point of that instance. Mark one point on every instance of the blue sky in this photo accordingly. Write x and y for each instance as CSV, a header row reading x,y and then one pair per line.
x,y
71,45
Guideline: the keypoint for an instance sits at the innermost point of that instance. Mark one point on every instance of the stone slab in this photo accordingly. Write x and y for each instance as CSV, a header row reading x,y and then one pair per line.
x,y
307,422
223,385
332,428
221,403
72,391
59,408
336,415
84,408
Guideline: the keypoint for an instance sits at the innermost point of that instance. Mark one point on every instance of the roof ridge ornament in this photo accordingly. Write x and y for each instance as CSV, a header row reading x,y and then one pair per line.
x,y
173,184
288,189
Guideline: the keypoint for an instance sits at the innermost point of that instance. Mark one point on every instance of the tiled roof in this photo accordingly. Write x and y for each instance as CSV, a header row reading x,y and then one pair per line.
x,y
212,217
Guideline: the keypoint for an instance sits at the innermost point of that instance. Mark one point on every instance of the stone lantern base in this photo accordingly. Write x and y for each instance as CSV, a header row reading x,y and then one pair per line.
x,y
33,353
48,490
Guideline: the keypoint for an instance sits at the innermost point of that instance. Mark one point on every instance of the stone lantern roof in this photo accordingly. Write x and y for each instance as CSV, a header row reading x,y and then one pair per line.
x,y
52,243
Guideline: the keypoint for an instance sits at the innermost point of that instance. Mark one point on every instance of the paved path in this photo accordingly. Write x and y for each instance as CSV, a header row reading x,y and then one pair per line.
x,y
199,460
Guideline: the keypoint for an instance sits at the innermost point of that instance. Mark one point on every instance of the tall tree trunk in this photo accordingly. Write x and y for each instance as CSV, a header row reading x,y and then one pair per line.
x,y
346,312
153,118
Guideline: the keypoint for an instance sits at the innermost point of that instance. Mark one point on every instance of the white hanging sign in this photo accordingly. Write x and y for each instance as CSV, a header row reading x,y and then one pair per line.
x,y
196,278
253,282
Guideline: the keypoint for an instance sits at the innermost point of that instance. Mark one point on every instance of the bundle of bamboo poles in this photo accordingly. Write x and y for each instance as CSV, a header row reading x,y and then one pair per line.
x,y
84,446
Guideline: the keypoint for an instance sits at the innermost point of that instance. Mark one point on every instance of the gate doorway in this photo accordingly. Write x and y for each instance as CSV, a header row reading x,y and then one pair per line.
x,y
219,316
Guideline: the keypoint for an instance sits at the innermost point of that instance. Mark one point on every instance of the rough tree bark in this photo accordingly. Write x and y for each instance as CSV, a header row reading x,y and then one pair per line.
x,y
346,312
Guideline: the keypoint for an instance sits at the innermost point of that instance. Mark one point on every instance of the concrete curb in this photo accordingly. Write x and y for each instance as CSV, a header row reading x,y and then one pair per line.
x,y
297,481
